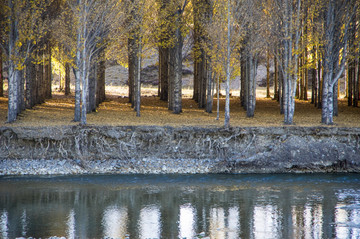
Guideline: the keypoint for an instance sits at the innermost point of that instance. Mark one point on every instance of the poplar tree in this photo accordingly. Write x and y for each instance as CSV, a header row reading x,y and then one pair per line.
x,y
249,15
338,14
86,39
171,29
203,79
25,29
285,16
223,36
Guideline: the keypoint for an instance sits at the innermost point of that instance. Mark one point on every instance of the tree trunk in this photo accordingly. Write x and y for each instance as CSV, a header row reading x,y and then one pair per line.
x,y
313,80
319,84
327,102
1,75
290,82
171,67
14,74
138,80
85,87
84,96
335,99
293,59
227,101
228,73
332,50
251,75
35,86
292,101
77,112
314,88
202,80
100,79
202,16
195,79
358,80
164,51
40,98
91,104
164,73
67,79
286,100
306,75
218,98
291,105
41,81
300,80
77,73
48,74
332,69
350,82
290,60
356,83
245,76
281,94
159,72
132,63
268,74
209,96
21,93
305,59
286,80
61,82
197,48
276,93
352,65
177,85
30,84
242,79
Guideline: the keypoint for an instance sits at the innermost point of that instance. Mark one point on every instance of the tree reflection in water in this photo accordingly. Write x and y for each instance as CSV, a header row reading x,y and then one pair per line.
x,y
220,206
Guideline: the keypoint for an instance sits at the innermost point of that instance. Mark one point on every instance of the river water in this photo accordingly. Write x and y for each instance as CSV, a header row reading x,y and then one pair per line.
x,y
181,206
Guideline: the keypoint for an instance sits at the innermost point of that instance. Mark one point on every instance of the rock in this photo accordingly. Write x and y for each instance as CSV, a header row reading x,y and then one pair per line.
x,y
202,234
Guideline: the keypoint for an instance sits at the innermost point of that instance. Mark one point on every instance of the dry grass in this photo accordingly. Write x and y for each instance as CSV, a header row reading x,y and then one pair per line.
x,y
116,111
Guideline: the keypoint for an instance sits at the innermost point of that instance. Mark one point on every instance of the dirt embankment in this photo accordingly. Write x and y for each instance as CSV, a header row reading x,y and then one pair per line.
x,y
154,149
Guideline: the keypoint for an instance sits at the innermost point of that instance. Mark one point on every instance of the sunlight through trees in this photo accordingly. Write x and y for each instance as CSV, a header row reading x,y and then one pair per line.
x,y
311,45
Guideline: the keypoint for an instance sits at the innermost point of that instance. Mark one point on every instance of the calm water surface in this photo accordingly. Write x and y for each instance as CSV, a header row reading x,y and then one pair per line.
x,y
168,206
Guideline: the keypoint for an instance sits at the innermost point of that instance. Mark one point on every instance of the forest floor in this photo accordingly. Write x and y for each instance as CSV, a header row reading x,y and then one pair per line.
x,y
116,111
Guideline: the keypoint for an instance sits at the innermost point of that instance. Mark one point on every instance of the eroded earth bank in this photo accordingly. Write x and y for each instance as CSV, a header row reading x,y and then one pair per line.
x,y
153,149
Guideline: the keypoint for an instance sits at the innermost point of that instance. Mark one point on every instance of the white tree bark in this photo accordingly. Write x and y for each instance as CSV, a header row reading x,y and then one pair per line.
x,y
13,79
335,41
94,19
209,97
78,60
138,79
218,98
177,87
251,102
13,92
290,56
85,87
228,73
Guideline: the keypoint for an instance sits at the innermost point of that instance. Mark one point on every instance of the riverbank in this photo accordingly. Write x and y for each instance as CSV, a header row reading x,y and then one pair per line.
x,y
156,149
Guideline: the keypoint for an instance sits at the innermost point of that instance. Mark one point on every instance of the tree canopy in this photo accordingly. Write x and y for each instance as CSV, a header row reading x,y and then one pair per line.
x,y
229,38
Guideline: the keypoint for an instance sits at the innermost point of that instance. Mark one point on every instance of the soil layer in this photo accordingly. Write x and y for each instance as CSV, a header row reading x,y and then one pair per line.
x,y
156,149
